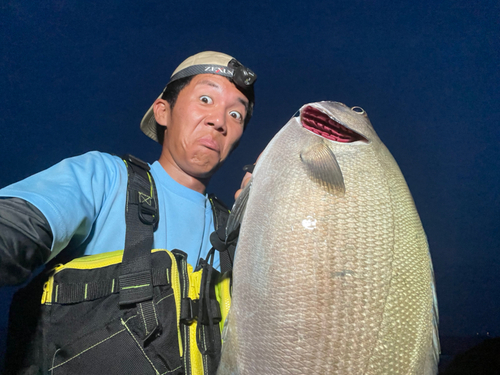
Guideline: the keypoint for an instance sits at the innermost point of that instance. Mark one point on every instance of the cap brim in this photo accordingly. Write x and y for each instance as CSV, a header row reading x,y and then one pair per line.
x,y
149,125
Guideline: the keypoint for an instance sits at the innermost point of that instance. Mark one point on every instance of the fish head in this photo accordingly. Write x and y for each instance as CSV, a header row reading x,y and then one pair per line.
x,y
338,137
327,138
338,123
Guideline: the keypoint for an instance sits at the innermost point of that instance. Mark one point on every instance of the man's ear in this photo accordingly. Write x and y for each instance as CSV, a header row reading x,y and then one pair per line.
x,y
161,109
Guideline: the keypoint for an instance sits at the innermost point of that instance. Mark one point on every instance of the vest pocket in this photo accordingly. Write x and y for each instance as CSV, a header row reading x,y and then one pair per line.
x,y
123,345
94,353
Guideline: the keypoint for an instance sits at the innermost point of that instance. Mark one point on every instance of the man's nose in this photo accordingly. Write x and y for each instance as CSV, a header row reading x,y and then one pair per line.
x,y
217,119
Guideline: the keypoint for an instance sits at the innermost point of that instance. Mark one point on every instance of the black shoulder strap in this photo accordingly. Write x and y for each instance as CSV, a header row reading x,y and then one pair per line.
x,y
141,218
218,238
141,215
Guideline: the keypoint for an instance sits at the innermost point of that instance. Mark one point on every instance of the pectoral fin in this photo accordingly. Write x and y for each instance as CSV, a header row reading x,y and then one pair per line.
x,y
322,168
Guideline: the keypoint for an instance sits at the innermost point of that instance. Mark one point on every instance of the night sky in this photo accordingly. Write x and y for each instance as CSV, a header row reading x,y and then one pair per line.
x,y
77,76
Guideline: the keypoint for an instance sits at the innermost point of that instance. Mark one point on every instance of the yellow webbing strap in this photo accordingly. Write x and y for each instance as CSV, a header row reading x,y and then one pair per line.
x,y
176,287
196,357
83,263
223,295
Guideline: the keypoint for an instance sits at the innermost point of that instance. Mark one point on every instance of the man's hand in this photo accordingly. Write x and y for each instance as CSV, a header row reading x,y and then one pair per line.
x,y
246,179
244,183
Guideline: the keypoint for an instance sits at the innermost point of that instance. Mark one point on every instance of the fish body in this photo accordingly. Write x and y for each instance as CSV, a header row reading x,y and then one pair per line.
x,y
332,273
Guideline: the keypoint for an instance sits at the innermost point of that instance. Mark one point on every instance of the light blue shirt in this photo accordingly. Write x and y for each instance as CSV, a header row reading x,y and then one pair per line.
x,y
83,199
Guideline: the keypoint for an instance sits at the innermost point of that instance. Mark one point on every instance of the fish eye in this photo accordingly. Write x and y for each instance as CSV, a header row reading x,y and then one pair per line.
x,y
206,99
235,115
358,110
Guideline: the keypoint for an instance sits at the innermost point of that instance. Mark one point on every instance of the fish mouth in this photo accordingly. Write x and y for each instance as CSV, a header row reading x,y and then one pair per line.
x,y
323,125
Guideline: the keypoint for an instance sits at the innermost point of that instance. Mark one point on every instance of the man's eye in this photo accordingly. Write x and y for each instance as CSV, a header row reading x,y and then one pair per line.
x,y
206,99
236,115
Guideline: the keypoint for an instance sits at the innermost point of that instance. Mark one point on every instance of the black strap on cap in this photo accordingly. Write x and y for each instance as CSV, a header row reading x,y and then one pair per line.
x,y
242,76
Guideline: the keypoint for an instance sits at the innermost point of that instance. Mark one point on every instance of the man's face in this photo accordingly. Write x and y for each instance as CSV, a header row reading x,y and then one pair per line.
x,y
204,125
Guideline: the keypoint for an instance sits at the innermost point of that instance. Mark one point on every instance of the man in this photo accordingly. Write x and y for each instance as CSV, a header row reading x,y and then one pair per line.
x,y
78,207
78,204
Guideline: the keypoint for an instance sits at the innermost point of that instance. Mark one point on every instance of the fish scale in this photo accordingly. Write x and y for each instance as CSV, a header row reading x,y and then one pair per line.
x,y
330,277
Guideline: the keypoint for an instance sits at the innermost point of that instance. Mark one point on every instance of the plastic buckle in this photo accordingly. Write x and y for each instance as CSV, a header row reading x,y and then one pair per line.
x,y
154,334
189,310
147,209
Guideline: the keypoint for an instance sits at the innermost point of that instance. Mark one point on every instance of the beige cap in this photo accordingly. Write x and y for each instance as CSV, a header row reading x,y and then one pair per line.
x,y
208,62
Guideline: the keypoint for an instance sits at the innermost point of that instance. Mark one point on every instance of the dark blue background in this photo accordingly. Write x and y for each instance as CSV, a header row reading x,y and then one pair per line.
x,y
77,76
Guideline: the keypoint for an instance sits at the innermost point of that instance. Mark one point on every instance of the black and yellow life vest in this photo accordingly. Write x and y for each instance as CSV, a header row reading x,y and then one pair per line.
x,y
134,311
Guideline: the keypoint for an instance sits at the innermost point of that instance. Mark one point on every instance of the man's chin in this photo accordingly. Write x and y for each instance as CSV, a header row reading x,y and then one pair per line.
x,y
210,173
206,171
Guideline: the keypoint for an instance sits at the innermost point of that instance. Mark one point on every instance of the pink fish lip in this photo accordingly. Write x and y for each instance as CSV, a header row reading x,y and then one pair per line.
x,y
323,125
209,143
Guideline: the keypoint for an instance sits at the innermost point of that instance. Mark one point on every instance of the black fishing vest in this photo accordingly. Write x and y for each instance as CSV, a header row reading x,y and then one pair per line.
x,y
136,311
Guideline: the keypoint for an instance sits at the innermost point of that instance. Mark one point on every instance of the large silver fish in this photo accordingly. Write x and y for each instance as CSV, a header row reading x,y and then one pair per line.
x,y
332,272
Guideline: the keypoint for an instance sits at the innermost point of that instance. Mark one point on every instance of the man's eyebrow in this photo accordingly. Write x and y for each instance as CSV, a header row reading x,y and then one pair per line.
x,y
209,83
245,103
